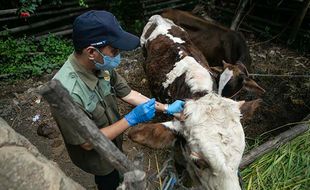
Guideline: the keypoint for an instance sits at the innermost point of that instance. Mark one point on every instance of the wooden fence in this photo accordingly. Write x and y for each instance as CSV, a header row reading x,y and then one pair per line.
x,y
151,7
47,19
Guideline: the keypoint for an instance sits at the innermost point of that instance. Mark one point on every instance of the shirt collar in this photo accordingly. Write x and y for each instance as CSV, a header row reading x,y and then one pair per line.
x,y
87,76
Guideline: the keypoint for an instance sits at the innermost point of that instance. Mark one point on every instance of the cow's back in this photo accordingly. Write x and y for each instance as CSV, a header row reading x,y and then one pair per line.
x,y
216,42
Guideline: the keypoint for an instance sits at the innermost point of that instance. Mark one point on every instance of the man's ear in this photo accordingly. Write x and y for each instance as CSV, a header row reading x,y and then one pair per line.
x,y
90,52
225,64
217,70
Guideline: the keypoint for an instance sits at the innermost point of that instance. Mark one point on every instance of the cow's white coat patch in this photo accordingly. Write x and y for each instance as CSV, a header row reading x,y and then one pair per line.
x,y
197,77
224,78
163,26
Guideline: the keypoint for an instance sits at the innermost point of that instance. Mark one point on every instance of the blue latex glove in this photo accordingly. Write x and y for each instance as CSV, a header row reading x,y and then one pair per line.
x,y
142,113
175,107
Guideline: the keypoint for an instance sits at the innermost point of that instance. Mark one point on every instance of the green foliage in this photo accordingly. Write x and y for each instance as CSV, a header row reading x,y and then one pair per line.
x,y
22,57
82,3
31,5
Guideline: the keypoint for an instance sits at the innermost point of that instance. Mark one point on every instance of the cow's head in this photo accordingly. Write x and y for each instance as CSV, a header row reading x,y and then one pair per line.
x,y
215,136
210,120
232,78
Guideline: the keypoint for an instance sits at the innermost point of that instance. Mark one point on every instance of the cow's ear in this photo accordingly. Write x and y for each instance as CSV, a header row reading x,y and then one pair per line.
x,y
154,135
247,109
225,64
217,70
242,68
252,86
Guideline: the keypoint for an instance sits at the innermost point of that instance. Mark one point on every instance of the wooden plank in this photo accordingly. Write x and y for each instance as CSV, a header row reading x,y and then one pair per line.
x,y
165,3
172,7
66,10
7,11
49,6
39,24
61,103
58,32
151,1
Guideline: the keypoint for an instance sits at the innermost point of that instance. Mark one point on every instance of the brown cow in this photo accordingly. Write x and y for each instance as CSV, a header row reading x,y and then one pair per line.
x,y
216,42
177,70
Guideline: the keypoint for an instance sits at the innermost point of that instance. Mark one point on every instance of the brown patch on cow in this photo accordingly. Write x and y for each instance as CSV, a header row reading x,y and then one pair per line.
x,y
247,109
149,31
216,42
187,19
189,47
155,136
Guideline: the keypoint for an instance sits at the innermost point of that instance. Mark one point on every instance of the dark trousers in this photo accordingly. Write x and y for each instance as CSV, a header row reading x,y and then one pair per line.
x,y
108,182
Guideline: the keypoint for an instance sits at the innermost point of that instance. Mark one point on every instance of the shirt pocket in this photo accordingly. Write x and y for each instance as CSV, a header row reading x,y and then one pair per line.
x,y
105,87
100,116
92,102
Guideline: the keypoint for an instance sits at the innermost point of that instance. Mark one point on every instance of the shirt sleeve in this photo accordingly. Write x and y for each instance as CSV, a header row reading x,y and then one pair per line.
x,y
119,84
67,129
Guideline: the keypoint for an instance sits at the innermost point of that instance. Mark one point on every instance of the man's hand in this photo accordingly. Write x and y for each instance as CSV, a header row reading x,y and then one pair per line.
x,y
142,113
175,107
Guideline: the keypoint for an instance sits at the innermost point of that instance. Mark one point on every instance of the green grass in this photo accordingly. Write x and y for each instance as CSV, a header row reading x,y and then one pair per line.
x,y
286,168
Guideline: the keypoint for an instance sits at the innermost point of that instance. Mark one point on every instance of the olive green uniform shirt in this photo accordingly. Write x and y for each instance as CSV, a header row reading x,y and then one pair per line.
x,y
96,96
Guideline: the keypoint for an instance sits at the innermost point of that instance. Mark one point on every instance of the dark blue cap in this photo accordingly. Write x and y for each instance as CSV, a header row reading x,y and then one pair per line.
x,y
100,28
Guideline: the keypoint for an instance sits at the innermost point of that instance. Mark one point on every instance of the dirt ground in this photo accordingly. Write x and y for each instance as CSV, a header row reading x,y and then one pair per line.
x,y
287,100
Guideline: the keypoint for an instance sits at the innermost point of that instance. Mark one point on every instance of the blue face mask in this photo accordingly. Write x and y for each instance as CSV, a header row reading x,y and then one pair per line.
x,y
109,63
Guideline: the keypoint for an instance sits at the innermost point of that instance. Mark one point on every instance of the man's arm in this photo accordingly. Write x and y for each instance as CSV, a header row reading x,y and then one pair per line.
x,y
111,132
141,113
136,98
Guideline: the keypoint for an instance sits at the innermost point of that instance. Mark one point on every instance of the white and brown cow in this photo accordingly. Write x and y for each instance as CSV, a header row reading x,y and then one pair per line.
x,y
177,70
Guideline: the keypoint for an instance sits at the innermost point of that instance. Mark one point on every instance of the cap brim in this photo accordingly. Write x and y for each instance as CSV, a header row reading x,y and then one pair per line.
x,y
126,42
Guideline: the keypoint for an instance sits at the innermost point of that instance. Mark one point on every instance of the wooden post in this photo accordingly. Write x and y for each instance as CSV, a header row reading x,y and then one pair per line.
x,y
60,101
134,180
274,143
298,21
238,16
